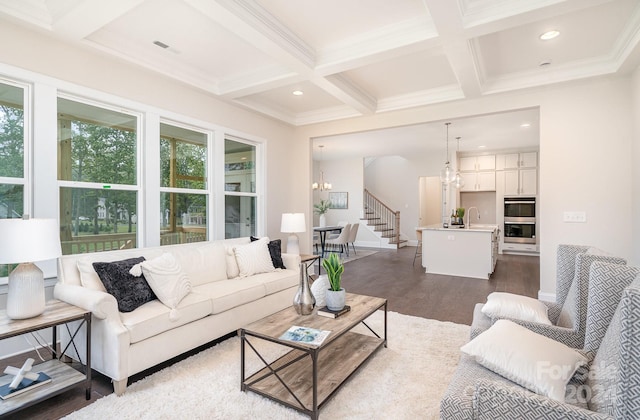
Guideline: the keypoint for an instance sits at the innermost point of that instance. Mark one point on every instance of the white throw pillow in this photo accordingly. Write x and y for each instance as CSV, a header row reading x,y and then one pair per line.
x,y
88,276
509,305
166,279
232,265
531,360
254,258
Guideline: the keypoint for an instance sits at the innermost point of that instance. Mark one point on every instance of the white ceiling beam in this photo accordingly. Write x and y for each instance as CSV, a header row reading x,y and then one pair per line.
x,y
457,48
91,15
352,95
248,20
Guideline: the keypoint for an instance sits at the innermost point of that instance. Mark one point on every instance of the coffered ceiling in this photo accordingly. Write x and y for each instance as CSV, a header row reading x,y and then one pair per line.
x,y
349,57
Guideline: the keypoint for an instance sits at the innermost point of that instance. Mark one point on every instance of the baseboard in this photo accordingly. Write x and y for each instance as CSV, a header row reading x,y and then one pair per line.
x,y
374,244
547,297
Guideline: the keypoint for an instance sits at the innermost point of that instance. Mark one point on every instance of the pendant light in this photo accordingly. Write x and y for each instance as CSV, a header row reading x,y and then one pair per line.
x,y
447,174
458,181
322,185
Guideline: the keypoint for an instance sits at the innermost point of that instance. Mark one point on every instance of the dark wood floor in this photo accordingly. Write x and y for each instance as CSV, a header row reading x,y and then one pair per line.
x,y
389,274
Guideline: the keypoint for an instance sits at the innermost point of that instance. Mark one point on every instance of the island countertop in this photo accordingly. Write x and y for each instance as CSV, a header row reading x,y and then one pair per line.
x,y
462,252
475,227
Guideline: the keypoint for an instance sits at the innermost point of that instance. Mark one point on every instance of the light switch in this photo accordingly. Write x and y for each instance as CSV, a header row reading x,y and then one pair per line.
x,y
574,217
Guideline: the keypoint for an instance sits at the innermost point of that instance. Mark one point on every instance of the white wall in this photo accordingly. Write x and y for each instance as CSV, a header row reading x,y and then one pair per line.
x,y
586,132
395,181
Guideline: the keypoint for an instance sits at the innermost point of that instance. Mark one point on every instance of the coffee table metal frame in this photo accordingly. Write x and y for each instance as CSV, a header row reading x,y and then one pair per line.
x,y
336,353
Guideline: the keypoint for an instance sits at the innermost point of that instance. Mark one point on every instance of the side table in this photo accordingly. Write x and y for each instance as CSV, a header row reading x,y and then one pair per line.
x,y
63,376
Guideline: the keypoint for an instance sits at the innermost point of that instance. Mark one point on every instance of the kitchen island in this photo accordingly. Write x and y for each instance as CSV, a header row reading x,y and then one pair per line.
x,y
464,252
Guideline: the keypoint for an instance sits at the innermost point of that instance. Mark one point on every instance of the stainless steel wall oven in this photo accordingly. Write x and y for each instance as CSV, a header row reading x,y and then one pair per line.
x,y
520,220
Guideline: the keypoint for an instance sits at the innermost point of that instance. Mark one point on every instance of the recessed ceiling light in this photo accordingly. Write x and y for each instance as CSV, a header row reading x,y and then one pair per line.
x,y
482,147
525,125
549,35
298,92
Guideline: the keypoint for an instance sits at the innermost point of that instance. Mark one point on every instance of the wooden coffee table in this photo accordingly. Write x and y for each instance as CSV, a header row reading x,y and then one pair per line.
x,y
308,376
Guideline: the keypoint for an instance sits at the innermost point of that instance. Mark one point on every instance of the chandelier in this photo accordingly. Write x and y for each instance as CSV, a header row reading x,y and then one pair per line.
x,y
447,174
322,185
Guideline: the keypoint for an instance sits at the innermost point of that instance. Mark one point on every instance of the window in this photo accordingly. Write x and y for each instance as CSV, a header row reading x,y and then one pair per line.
x,y
98,178
12,156
183,185
240,188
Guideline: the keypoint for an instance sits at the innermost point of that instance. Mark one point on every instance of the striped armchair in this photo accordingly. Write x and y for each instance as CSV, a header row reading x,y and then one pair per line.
x,y
612,344
568,314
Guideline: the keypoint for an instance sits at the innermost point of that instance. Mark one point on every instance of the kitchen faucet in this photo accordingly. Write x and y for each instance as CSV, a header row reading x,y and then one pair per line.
x,y
469,216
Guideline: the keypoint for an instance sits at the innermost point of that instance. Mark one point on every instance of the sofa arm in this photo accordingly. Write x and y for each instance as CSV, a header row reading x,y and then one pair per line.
x,y
493,401
101,305
291,261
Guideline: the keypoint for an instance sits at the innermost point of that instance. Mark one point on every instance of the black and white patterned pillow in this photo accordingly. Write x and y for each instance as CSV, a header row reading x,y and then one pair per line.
x,y
275,250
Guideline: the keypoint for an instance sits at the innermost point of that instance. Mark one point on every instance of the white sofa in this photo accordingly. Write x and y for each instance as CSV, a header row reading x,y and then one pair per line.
x,y
123,344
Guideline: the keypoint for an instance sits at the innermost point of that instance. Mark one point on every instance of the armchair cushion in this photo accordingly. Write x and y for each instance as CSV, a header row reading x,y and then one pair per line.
x,y
509,305
533,361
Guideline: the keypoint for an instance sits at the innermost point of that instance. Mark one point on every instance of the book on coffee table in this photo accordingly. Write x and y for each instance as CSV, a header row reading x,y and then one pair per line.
x,y
305,335
326,312
24,386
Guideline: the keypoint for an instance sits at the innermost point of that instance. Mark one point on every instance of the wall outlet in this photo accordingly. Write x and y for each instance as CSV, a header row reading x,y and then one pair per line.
x,y
574,217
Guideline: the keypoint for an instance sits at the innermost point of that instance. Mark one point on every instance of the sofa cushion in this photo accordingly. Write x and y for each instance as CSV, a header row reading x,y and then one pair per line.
x,y
202,264
228,294
254,258
531,360
278,280
130,291
275,250
167,280
153,318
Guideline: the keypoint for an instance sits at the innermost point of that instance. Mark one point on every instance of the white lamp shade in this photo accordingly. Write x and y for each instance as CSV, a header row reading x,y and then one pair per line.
x,y
293,223
29,240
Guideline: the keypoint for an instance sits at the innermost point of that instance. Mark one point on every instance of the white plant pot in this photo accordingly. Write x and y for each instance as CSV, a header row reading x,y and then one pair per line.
x,y
335,299
323,220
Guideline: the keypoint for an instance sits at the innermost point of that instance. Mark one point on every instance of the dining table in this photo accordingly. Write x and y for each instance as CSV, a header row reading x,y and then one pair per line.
x,y
322,232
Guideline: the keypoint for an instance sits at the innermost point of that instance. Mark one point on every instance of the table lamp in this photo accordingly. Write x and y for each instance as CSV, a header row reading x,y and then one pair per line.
x,y
293,223
24,241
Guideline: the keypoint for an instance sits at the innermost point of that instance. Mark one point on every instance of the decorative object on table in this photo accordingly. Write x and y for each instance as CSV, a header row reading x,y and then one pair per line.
x,y
23,381
319,289
303,301
335,296
322,185
293,223
339,200
321,209
305,335
328,313
25,241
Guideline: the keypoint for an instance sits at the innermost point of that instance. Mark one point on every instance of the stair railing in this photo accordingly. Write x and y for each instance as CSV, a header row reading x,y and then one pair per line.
x,y
386,219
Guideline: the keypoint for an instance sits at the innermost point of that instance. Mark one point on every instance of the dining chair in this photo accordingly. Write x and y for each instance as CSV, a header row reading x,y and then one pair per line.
x,y
341,223
352,237
341,240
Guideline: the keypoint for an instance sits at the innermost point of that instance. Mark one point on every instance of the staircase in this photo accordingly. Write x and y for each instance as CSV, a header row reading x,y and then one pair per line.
x,y
384,222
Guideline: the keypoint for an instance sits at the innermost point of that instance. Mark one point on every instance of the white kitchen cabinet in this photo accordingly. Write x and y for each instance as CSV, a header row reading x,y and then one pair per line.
x,y
477,163
517,160
521,182
479,181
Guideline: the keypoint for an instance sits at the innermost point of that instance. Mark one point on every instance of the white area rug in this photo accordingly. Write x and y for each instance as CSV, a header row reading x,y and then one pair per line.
x,y
403,381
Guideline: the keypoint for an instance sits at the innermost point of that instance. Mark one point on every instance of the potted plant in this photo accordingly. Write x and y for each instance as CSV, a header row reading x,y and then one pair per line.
x,y
320,209
460,212
335,297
